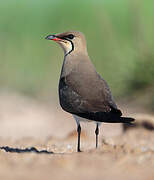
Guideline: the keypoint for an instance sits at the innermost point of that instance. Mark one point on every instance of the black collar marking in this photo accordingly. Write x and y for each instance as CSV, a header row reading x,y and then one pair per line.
x,y
65,38
72,47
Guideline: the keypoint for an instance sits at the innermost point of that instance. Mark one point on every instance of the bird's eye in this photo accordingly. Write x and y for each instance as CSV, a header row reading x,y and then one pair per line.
x,y
70,36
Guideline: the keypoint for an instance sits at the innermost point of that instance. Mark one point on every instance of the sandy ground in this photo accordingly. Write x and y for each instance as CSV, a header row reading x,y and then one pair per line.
x,y
38,141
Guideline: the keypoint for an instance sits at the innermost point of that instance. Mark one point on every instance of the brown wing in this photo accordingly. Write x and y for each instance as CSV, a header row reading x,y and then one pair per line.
x,y
91,87
90,91
74,103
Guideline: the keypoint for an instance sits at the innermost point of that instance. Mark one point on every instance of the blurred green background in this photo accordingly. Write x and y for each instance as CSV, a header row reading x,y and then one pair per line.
x,y
119,33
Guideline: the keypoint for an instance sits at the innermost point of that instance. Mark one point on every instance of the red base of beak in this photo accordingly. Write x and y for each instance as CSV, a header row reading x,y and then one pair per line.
x,y
56,39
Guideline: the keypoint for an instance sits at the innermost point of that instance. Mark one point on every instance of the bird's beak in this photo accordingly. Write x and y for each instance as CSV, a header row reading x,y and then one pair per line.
x,y
52,37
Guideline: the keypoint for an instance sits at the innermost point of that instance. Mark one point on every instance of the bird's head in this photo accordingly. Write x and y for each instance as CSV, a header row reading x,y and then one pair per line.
x,y
71,42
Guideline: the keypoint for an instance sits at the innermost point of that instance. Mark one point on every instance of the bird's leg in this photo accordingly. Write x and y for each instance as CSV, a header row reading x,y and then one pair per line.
x,y
97,132
79,132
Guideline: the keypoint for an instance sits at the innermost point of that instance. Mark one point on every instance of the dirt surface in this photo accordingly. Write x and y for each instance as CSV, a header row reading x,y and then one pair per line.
x,y
38,141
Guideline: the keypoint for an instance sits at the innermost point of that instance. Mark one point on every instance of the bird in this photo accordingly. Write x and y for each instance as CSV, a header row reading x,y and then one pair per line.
x,y
82,91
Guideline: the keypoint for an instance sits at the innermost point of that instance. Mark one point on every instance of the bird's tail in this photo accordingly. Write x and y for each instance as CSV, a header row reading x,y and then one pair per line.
x,y
126,119
116,119
106,117
116,116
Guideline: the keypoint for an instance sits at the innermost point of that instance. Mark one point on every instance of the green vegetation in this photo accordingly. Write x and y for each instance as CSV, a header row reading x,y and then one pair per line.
x,y
120,37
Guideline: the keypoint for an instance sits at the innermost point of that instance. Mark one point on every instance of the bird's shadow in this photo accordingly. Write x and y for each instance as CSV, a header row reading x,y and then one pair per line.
x,y
145,124
26,150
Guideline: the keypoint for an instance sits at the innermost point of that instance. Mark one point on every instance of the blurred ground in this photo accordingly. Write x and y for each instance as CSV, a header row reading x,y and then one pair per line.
x,y
26,123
